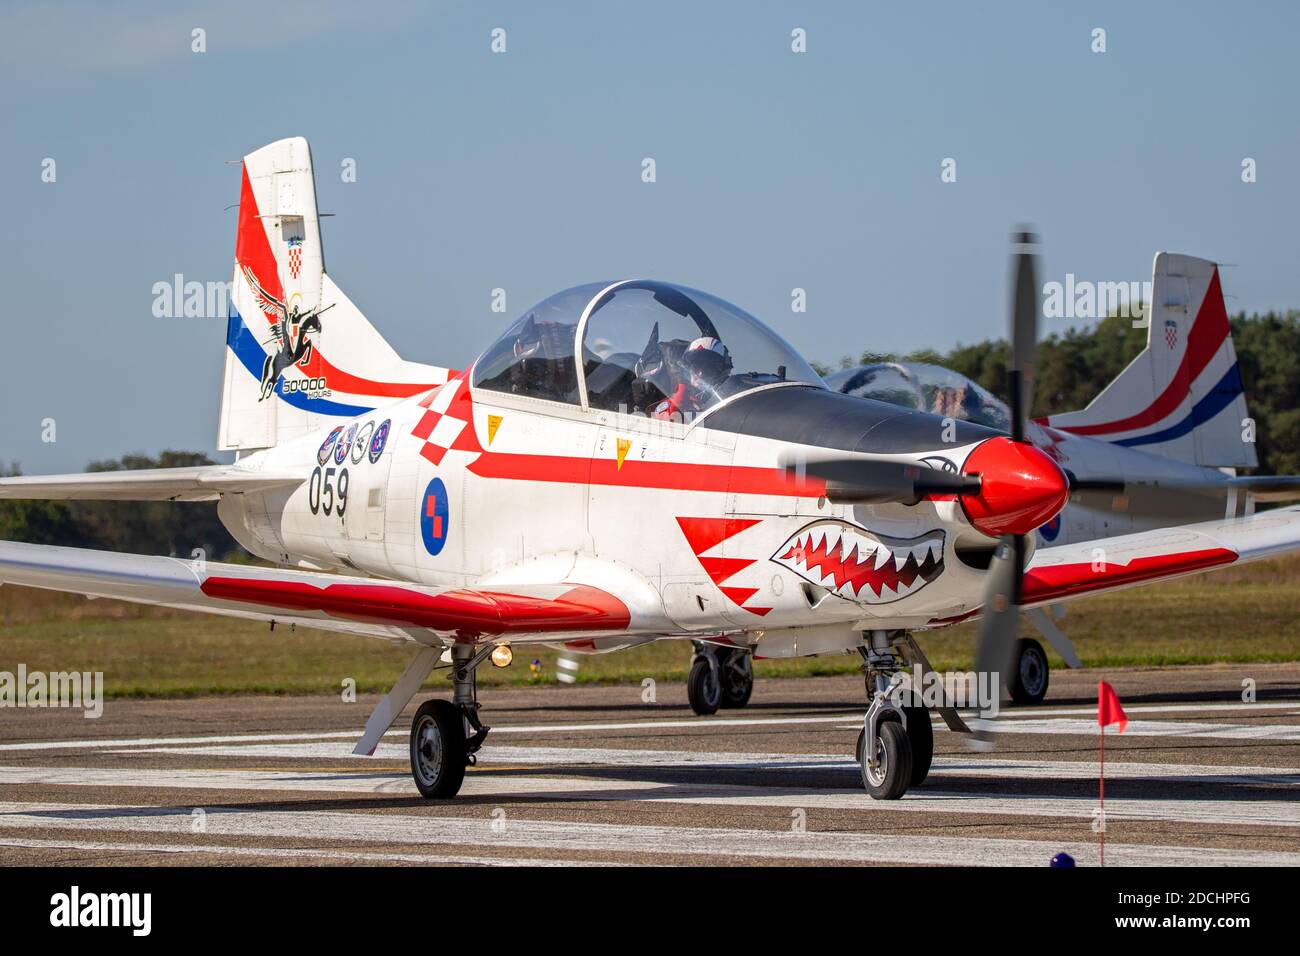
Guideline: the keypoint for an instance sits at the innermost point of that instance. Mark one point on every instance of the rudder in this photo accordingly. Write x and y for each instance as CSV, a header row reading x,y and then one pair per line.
x,y
1182,396
299,354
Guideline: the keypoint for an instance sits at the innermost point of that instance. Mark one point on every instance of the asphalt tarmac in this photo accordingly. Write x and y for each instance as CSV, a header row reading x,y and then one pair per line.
x,y
584,775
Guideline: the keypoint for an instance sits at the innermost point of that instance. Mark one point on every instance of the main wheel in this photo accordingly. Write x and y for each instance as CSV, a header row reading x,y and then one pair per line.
x,y
1030,674
893,773
438,756
703,688
737,670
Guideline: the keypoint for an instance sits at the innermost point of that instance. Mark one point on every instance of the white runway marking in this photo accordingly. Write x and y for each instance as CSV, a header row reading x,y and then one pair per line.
x,y
700,723
1146,728
607,838
931,799
348,856
493,755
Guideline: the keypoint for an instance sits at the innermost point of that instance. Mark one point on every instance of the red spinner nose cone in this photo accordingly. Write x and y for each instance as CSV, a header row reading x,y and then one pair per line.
x,y
1021,488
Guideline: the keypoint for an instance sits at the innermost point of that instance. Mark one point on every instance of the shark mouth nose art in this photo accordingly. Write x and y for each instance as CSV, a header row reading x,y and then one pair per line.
x,y
860,566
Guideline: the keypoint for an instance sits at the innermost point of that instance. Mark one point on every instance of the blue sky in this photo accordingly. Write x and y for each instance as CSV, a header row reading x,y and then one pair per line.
x,y
522,171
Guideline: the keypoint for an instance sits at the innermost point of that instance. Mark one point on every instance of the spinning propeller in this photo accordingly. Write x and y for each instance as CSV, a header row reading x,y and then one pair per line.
x,y
999,623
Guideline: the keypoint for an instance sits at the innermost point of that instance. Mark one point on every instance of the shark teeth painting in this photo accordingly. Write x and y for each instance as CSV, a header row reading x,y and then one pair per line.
x,y
861,566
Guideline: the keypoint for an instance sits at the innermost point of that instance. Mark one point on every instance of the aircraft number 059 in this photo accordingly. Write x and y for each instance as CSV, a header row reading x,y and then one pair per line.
x,y
324,492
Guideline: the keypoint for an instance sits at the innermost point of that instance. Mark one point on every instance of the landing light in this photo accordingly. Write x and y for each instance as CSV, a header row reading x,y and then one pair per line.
x,y
502,655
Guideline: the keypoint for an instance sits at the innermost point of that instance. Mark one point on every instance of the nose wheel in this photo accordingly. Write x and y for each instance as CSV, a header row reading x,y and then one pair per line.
x,y
920,742
888,776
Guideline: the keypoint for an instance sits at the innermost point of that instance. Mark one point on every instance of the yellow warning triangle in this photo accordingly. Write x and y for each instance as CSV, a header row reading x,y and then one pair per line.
x,y
494,422
623,445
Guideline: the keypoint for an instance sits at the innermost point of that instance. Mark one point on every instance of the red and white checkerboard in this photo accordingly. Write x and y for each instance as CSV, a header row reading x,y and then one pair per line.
x,y
447,421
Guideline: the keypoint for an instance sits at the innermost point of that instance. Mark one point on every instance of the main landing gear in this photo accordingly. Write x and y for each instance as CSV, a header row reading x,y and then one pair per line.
x,y
447,734
719,677
896,744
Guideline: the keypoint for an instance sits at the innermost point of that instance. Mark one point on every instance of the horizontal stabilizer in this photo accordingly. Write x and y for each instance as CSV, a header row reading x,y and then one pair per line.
x,y
200,483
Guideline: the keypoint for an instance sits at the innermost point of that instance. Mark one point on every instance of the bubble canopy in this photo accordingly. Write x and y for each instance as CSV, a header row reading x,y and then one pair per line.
x,y
925,387
646,348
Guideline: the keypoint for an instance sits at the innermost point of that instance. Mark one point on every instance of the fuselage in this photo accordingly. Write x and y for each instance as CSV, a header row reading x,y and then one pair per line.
x,y
698,519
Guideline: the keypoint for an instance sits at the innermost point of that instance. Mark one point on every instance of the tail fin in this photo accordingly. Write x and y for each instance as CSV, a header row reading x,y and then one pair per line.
x,y
299,354
1182,396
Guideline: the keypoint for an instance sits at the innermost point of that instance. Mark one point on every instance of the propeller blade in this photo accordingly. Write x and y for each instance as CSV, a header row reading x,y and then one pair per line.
x,y
999,621
872,481
1024,331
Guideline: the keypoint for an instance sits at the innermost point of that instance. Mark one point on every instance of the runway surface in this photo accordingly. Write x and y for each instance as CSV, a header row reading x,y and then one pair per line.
x,y
594,775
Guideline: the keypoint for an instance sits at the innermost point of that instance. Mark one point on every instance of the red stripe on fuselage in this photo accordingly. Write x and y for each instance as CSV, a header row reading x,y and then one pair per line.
x,y
666,475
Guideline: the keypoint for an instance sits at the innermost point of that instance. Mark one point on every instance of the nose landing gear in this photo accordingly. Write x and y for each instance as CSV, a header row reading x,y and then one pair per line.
x,y
896,744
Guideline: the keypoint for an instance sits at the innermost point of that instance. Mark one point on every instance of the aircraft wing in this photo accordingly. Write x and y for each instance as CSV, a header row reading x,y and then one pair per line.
x,y
1106,564
351,604
199,483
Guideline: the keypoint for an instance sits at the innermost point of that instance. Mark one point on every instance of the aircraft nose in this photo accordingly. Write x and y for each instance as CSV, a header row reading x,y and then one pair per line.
x,y
1021,488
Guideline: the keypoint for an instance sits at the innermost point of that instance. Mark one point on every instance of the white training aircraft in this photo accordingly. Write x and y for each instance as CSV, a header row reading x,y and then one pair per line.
x,y
631,461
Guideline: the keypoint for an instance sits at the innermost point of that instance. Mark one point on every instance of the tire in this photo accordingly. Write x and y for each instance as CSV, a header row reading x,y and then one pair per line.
x,y
703,689
920,734
438,755
894,753
736,671
1030,672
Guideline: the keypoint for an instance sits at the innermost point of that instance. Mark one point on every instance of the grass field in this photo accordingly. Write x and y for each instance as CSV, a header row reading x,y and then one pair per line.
x,y
1236,615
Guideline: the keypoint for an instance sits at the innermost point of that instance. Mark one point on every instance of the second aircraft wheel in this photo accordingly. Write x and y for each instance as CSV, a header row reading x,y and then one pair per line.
x,y
703,688
1029,672
737,669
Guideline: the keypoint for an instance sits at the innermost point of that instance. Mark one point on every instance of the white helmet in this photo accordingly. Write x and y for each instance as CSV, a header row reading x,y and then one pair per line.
x,y
709,357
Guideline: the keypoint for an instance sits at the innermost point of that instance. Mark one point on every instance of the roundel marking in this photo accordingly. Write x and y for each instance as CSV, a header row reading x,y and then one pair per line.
x,y
341,449
327,446
362,443
381,438
435,516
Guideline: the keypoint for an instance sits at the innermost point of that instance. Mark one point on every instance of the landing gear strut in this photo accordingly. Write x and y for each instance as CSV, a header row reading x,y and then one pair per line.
x,y
719,677
896,744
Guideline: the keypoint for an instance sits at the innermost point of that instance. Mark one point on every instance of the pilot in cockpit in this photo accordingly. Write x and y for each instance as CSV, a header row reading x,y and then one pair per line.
x,y
699,370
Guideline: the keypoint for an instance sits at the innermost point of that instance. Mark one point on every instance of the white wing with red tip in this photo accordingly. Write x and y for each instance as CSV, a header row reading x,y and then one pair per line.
x,y
355,605
1088,567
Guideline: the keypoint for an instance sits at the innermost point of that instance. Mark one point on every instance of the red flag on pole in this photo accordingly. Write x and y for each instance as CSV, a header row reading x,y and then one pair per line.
x,y
1109,710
